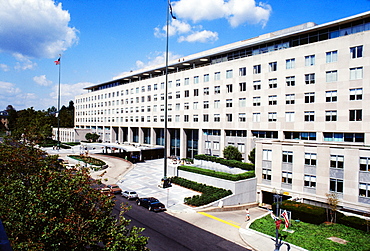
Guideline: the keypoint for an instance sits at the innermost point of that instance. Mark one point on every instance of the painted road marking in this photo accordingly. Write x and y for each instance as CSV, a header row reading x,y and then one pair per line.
x,y
218,219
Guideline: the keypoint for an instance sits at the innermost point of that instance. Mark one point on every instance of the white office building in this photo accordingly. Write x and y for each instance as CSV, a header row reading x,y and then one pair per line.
x,y
298,95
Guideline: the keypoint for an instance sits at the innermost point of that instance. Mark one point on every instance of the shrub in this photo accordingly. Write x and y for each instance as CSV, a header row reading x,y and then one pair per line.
x,y
230,163
221,175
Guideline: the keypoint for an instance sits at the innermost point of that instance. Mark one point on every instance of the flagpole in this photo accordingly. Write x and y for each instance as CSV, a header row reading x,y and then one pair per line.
x,y
165,98
58,134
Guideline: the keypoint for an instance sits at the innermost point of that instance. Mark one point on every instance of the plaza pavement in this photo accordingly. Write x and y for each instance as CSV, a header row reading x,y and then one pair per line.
x,y
145,177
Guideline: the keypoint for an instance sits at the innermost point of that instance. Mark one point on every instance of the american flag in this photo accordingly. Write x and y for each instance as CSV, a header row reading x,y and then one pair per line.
x,y
285,216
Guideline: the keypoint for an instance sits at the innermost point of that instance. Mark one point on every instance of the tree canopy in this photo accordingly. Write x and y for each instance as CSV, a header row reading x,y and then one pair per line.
x,y
46,207
232,153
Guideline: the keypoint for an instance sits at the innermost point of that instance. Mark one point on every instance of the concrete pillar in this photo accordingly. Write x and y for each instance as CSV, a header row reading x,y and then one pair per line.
x,y
183,140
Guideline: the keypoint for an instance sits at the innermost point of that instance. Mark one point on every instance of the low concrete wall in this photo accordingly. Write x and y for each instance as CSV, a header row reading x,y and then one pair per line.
x,y
244,191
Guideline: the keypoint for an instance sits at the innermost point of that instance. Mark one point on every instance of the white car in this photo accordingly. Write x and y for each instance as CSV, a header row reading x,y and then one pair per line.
x,y
130,195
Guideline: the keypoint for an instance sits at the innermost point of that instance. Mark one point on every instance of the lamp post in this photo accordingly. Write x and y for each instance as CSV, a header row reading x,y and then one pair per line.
x,y
277,198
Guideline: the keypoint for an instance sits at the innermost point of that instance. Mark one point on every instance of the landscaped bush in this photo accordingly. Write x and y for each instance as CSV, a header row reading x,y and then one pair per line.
x,y
71,143
221,175
230,163
87,159
354,222
209,193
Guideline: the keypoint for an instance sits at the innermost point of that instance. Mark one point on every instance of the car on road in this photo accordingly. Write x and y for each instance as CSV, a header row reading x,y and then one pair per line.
x,y
129,194
107,191
114,189
151,203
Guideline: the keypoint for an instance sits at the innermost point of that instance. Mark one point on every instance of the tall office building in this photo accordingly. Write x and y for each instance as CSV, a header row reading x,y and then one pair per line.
x,y
297,95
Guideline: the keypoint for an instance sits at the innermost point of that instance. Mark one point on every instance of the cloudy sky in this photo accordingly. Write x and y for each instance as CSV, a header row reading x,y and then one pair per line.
x,y
100,40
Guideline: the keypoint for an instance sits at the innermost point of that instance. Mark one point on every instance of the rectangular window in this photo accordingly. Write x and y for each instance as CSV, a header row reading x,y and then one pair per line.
x,y
355,115
241,147
266,174
273,100
355,94
287,157
290,63
356,52
286,177
336,185
186,118
290,99
205,104
256,101
217,89
257,85
195,118
330,115
177,106
186,93
229,73
256,69
216,145
217,104
309,116
242,71
177,95
229,103
217,118
229,88
309,97
331,76
289,116
177,118
309,78
186,106
186,81
272,66
242,117
267,154
290,81
310,181
331,56
272,117
364,190
196,92
206,77
155,87
162,85
355,73
242,87
337,161
309,60
217,75
242,102
344,137
256,117
310,159
207,145
196,79
331,96
229,117
365,164
178,82
273,83
205,117
206,90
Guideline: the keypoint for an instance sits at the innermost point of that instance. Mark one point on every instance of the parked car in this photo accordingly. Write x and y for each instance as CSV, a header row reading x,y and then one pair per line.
x,y
129,194
151,203
114,189
107,191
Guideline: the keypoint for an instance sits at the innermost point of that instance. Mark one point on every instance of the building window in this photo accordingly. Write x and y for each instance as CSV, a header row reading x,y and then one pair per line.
x,y
242,71
206,90
365,164
287,157
344,137
355,115
143,89
205,117
272,116
186,93
290,99
169,118
229,73
229,103
336,185
256,101
242,102
310,159
169,95
217,75
310,181
195,105
229,117
229,88
286,177
267,154
364,190
186,81
289,116
177,94
290,81
355,73
196,92
196,80
256,117
309,60
256,69
205,104
309,78
169,107
206,77
216,104
186,118
330,115
266,174
309,116
217,118
290,63
207,145
243,86
273,83
356,52
331,56
242,117
337,161
186,106
177,106
300,135
309,97
177,118
272,66
155,87
257,85
331,76
162,85
331,96
169,84
217,89
195,117
355,94
273,100
241,147
216,145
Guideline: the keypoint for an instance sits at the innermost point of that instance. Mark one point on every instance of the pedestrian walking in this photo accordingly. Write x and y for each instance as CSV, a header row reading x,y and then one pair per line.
x,y
247,215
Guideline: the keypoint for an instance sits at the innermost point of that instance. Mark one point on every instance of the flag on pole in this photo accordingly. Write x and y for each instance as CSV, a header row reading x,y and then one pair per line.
x,y
273,216
57,62
285,216
173,17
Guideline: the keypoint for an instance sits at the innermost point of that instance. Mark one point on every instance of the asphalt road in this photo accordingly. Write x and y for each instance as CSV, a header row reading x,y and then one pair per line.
x,y
168,233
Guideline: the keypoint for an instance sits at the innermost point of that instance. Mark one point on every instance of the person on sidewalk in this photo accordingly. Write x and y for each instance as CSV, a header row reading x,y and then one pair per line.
x,y
247,215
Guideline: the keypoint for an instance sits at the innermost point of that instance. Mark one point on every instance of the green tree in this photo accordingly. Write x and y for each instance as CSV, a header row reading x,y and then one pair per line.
x,y
92,137
252,156
46,207
232,153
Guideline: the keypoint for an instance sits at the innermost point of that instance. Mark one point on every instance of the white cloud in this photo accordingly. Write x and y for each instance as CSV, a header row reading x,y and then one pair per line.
x,y
175,27
67,92
24,62
200,36
35,28
41,80
12,95
4,67
236,12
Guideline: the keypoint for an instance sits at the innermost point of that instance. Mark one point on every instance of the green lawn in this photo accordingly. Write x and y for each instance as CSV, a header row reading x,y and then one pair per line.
x,y
313,237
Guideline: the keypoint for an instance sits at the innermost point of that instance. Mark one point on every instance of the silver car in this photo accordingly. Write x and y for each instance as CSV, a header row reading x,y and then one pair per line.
x,y
130,195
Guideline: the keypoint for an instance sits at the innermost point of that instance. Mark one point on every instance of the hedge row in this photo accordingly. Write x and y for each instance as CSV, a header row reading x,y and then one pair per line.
x,y
230,163
221,175
89,160
317,215
209,193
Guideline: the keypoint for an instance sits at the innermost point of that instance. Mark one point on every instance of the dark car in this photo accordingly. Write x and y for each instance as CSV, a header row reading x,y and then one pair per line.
x,y
151,203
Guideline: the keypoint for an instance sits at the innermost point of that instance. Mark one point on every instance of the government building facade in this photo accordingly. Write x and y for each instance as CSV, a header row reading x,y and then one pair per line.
x,y
297,95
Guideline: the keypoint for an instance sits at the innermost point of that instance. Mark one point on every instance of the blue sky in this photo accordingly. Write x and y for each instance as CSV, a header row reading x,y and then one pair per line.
x,y
99,40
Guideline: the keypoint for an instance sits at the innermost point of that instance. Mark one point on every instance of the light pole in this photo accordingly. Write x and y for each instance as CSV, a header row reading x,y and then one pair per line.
x,y
277,199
